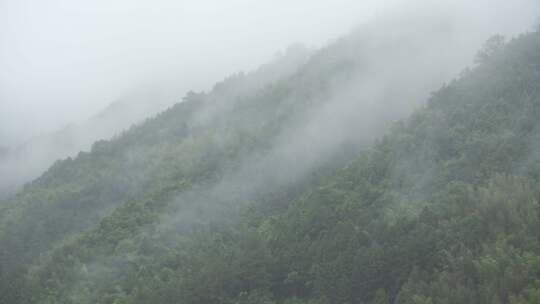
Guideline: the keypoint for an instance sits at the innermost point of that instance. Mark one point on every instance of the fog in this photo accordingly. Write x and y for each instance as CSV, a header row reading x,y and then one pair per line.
x,y
393,63
63,61
395,60
213,107
66,62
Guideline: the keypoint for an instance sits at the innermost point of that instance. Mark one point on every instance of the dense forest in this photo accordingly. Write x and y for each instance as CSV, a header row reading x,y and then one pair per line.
x,y
283,190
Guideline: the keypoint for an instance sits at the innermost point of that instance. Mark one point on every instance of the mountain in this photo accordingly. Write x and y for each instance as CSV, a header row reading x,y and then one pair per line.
x,y
304,188
26,162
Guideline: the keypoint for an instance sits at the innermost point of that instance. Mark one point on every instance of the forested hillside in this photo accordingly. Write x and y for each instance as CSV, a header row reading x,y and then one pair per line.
x,y
302,189
28,161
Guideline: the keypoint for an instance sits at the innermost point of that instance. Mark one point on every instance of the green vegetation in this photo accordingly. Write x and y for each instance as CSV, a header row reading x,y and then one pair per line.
x,y
442,209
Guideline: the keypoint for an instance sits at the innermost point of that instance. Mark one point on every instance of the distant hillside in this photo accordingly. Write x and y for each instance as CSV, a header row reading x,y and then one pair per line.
x,y
26,162
303,188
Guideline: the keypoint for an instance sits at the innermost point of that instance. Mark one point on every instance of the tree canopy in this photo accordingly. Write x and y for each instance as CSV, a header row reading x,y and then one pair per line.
x,y
443,208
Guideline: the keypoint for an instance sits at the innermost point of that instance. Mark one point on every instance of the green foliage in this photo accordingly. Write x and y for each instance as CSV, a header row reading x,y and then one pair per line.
x,y
443,209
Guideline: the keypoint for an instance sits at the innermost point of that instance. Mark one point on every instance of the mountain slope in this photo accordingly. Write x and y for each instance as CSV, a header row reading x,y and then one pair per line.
x,y
26,162
236,197
443,209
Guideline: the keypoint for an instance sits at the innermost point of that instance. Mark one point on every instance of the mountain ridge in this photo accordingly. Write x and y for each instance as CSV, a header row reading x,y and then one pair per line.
x,y
220,200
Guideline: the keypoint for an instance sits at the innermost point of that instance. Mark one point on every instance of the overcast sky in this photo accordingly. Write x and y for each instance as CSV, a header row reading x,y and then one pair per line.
x,y
63,60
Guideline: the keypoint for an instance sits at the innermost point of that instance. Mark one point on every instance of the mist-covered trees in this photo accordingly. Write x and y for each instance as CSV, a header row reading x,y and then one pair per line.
x,y
493,45
191,206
